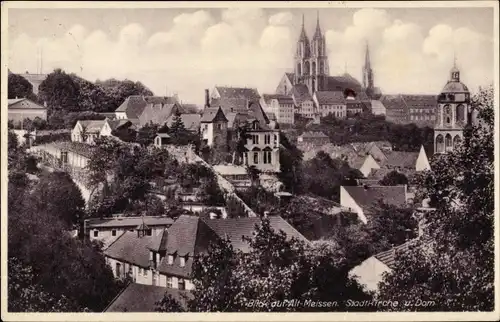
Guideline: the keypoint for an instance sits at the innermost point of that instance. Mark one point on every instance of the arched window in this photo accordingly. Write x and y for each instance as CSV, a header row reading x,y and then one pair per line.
x,y
314,68
460,113
457,140
439,144
447,114
321,68
299,70
448,142
307,69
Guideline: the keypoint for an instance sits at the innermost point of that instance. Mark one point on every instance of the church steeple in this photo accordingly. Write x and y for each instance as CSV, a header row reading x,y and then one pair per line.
x,y
303,34
317,32
367,70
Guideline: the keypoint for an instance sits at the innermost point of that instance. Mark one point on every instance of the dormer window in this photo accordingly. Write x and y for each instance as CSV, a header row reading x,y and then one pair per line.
x,y
255,125
113,232
182,261
170,259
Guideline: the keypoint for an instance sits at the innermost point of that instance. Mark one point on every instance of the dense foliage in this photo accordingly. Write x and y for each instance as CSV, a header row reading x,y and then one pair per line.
x,y
19,87
275,270
394,178
49,270
456,271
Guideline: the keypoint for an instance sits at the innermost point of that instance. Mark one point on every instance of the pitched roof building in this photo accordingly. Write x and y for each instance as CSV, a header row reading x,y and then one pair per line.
x,y
363,199
166,259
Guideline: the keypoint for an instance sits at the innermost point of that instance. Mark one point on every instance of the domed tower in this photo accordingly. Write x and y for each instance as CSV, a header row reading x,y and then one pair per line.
x,y
302,55
453,113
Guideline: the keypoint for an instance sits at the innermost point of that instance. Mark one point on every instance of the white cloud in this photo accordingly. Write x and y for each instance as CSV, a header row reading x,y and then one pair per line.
x,y
281,18
246,47
404,58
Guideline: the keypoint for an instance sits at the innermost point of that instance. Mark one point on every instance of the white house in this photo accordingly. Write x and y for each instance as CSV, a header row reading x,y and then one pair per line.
x,y
86,131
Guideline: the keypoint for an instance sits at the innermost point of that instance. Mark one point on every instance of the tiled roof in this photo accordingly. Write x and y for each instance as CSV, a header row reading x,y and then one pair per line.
x,y
455,87
163,135
357,162
420,101
13,104
80,148
92,126
132,106
300,93
389,257
230,104
340,83
401,159
327,98
367,197
160,100
12,101
131,248
238,92
128,222
314,134
282,99
209,114
191,121
235,228
114,124
190,108
142,298
158,114
393,102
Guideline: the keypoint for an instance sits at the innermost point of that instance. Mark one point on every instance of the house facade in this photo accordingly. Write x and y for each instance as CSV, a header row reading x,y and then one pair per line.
x,y
20,109
333,103
166,260
282,106
262,148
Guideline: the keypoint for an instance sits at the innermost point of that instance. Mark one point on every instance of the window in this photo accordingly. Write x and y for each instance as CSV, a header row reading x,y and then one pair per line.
x,y
219,126
118,269
170,259
113,232
255,157
267,157
146,272
255,139
169,282
183,261
267,139
64,157
141,271
182,284
149,232
96,233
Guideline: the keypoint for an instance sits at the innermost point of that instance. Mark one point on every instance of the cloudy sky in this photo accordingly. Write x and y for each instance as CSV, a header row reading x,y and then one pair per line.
x,y
187,50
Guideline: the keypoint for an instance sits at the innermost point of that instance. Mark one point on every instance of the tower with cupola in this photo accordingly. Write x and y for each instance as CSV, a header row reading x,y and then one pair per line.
x,y
311,60
452,114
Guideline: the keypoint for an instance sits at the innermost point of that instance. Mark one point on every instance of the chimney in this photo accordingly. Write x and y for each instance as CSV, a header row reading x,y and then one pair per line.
x,y
207,98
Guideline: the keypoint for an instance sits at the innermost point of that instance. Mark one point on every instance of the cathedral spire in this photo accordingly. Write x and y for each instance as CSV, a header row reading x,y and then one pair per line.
x,y
367,56
317,33
303,35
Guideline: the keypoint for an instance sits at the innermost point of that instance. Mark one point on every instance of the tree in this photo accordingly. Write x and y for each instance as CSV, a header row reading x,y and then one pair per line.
x,y
169,304
394,178
290,166
20,87
69,275
179,135
253,173
55,187
274,270
455,271
147,134
117,91
60,92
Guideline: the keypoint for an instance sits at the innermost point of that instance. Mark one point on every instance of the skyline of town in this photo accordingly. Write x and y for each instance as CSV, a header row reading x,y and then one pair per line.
x,y
218,49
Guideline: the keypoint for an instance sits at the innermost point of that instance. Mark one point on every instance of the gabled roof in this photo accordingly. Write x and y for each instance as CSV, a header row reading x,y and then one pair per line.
x,y
142,298
314,134
282,99
191,121
115,124
160,100
236,228
238,92
300,93
24,103
92,126
401,159
420,101
132,106
212,113
328,98
271,116
291,77
388,257
368,196
131,248
231,104
157,113
128,222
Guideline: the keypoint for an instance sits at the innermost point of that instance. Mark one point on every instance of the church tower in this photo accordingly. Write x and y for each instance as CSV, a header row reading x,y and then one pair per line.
x,y
453,113
302,56
368,73
311,60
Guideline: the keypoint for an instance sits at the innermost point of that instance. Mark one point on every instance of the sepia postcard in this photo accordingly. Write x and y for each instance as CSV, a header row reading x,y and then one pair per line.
x,y
250,161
